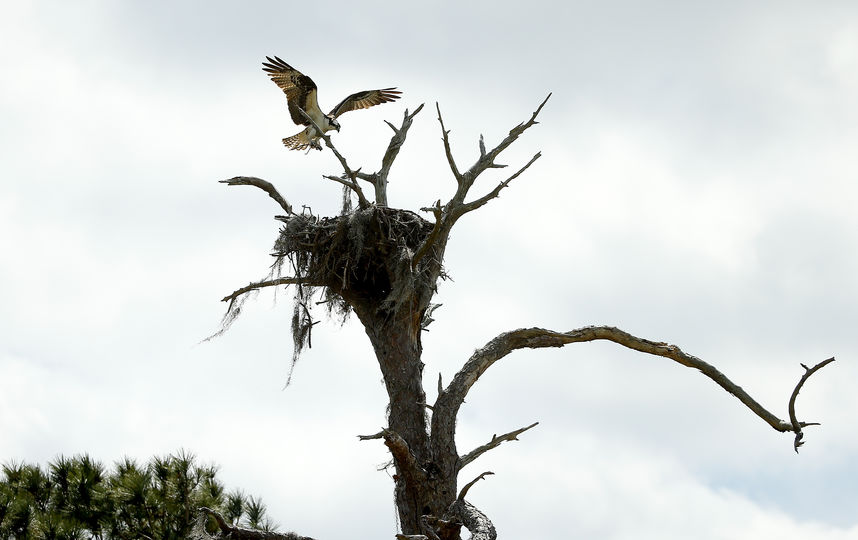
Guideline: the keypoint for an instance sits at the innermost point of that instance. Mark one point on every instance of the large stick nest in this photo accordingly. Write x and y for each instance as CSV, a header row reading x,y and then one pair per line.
x,y
363,257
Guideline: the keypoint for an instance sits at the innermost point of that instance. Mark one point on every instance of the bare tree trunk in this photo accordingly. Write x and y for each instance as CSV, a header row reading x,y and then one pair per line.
x,y
384,264
421,486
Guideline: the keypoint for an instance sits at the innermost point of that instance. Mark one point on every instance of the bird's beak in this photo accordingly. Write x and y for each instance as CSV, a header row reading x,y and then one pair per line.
x,y
338,128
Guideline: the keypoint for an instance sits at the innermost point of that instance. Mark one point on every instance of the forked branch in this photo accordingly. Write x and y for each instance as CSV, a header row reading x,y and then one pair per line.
x,y
378,179
464,181
487,159
350,178
473,205
456,207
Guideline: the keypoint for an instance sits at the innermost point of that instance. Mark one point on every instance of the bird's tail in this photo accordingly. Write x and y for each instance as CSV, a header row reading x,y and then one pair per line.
x,y
301,141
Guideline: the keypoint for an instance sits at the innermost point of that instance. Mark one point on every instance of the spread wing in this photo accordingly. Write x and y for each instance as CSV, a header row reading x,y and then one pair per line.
x,y
365,99
300,90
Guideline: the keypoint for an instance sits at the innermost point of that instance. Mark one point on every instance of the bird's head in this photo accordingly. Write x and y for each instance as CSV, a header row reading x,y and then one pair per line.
x,y
332,123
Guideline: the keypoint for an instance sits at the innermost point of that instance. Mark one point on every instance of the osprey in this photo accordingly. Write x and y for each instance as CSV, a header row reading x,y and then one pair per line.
x,y
300,92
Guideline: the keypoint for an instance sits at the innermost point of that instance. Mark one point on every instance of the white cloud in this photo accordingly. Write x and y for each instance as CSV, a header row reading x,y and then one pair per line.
x,y
696,186
610,489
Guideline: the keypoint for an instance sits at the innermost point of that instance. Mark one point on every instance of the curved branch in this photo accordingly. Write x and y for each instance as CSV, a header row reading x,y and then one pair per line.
x,y
453,396
796,425
480,526
468,486
264,185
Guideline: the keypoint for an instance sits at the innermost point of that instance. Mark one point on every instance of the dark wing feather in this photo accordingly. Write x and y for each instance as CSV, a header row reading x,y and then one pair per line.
x,y
365,99
300,90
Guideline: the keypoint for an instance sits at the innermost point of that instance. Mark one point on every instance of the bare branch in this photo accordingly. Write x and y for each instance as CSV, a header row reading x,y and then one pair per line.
x,y
404,458
473,205
349,179
465,489
494,443
449,401
351,184
261,284
380,178
487,159
796,425
379,435
349,173
264,185
445,137
456,206
480,526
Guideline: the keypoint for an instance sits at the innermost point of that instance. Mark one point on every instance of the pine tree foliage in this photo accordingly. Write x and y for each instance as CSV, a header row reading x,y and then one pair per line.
x,y
77,498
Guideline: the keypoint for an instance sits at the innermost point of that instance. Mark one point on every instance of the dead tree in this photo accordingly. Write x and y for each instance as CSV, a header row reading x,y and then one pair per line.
x,y
384,264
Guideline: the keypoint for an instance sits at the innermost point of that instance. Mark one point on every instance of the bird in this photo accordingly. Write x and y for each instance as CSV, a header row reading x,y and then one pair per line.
x,y
301,93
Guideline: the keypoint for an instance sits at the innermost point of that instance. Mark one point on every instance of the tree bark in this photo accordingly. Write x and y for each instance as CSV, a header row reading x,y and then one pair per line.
x,y
421,486
385,264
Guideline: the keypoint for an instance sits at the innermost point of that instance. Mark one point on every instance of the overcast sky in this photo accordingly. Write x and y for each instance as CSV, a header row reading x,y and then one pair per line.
x,y
698,185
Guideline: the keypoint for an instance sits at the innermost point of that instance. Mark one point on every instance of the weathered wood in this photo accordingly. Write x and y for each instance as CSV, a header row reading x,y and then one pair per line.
x,y
384,264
